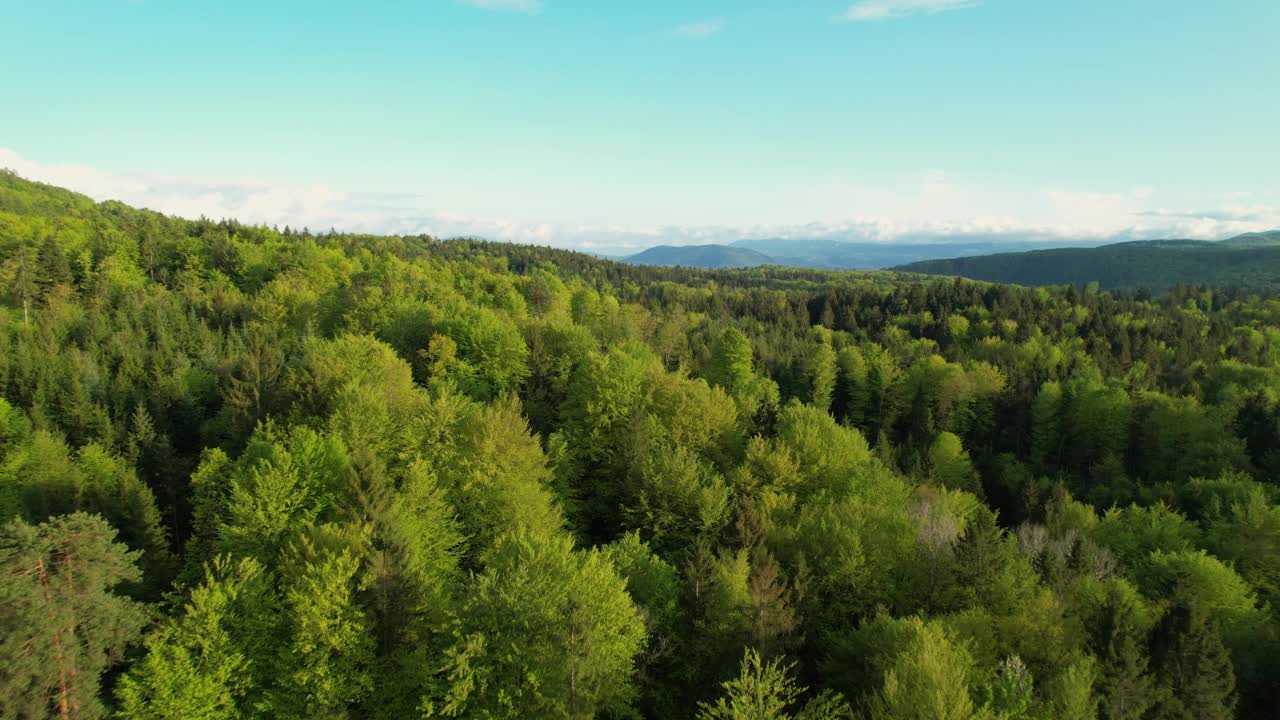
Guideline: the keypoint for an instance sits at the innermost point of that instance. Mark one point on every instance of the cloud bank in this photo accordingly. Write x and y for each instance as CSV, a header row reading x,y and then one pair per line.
x,y
932,207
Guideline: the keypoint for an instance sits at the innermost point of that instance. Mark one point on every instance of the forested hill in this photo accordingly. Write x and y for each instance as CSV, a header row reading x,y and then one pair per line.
x,y
704,256
248,472
845,255
1250,261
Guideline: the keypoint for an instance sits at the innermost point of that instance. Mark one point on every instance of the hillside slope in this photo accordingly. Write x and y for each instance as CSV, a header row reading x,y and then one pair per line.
x,y
1251,261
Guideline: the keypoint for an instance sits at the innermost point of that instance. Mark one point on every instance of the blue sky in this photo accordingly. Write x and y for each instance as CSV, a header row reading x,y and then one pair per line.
x,y
612,123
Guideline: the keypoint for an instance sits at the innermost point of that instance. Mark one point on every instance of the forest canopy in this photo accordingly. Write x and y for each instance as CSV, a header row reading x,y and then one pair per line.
x,y
261,472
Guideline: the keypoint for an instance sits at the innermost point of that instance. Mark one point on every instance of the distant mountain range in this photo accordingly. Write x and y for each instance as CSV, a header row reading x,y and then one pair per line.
x,y
835,254
1250,261
703,256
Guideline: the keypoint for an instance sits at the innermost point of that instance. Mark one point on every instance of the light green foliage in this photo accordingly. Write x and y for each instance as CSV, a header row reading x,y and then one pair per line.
x,y
546,631
323,668
766,690
40,478
692,413
606,392
673,497
1248,630
926,680
652,583
14,426
556,346
329,365
831,458
722,594
1009,694
283,483
951,463
424,536
851,366
491,354
1133,533
1070,695
1248,536
212,660
730,367
820,369
1213,585
656,588
210,490
496,477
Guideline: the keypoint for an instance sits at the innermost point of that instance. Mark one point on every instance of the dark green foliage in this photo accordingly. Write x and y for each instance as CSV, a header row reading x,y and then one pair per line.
x,y
1124,681
1191,661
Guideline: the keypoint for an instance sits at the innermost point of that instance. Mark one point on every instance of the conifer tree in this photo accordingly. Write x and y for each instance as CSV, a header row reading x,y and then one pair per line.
x,y
1124,684
1193,665
61,625
213,660
767,690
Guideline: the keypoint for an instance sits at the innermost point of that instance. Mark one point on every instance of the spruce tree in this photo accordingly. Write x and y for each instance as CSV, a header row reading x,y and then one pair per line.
x,y
1193,665
1125,686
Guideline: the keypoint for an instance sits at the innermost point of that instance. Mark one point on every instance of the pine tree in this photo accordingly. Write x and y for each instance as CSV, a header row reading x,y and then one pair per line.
x,y
61,626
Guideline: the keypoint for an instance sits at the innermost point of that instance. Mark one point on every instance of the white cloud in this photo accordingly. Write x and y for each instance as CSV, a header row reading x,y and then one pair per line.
x,y
524,6
886,9
702,28
930,205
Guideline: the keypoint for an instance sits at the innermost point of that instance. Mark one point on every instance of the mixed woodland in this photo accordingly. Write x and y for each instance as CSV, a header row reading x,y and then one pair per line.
x,y
284,473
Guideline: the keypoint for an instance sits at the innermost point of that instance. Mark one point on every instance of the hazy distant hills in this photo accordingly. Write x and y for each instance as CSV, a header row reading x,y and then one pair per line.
x,y
1250,261
836,254
829,254
702,256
